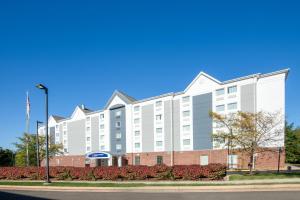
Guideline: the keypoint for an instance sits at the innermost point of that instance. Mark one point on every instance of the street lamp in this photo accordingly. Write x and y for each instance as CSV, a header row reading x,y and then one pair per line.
x,y
279,153
42,87
37,144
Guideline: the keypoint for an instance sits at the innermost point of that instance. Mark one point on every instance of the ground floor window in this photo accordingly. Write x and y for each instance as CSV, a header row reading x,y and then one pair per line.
x,y
203,160
137,160
159,160
233,161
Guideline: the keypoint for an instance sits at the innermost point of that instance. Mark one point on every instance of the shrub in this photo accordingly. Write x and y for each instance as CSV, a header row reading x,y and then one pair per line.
x,y
157,172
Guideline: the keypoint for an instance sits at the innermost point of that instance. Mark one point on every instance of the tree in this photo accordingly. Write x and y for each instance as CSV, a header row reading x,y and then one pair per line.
x,y
292,143
251,133
30,139
6,157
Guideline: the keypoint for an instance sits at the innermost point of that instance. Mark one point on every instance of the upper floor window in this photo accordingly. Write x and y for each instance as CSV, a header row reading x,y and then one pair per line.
x,y
118,135
118,124
137,133
56,127
88,139
158,117
232,106
102,137
232,89
220,92
137,120
118,114
137,145
101,116
102,147
185,99
186,142
65,133
186,113
57,134
88,148
137,160
220,108
186,128
159,143
118,146
88,129
102,126
88,119
136,108
159,130
158,103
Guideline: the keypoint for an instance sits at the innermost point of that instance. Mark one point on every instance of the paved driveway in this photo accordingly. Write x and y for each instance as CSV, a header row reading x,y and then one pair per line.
x,y
33,195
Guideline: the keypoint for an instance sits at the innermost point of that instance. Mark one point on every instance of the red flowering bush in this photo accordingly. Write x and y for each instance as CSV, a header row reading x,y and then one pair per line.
x,y
157,172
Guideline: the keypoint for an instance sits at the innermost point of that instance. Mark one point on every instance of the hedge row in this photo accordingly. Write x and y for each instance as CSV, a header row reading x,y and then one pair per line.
x,y
158,172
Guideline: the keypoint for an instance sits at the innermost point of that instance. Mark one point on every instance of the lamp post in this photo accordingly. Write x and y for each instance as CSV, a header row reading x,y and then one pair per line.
x,y
37,144
279,153
42,87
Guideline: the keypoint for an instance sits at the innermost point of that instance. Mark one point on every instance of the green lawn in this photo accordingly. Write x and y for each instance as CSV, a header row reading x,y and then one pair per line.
x,y
236,177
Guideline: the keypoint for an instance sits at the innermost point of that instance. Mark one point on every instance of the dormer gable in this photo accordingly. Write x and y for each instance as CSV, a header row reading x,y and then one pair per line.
x,y
119,98
203,83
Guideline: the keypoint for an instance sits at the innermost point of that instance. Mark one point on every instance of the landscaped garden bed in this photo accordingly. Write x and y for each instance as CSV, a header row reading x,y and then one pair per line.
x,y
158,172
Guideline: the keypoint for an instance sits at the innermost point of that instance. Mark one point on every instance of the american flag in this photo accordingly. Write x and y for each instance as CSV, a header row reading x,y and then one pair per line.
x,y
27,106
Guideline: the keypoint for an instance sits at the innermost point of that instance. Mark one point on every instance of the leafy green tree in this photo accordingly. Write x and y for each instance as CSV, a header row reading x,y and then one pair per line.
x,y
292,144
29,141
6,157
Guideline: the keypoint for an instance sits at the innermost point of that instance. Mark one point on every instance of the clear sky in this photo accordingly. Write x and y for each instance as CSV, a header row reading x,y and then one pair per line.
x,y
84,50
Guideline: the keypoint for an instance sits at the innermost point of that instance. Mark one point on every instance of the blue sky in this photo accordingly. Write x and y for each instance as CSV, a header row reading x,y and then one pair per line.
x,y
84,50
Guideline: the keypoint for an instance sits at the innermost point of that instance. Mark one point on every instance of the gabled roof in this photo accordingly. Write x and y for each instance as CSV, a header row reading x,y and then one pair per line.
x,y
198,76
57,118
126,98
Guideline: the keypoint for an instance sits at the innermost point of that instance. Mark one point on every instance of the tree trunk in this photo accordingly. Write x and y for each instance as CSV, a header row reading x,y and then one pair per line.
x,y
251,165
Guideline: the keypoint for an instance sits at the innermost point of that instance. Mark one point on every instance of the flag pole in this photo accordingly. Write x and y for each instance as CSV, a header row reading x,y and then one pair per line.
x,y
27,127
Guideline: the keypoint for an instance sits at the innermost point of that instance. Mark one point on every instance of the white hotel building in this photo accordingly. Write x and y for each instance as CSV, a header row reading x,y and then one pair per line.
x,y
173,128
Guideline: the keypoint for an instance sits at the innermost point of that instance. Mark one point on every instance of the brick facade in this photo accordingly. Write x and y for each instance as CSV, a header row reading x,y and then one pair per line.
x,y
267,160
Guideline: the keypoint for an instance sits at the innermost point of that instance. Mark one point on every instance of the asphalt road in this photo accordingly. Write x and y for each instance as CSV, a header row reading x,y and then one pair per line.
x,y
41,195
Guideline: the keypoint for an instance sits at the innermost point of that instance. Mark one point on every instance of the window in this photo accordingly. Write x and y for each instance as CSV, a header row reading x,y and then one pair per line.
x,y
118,124
88,119
118,146
232,106
220,92
56,127
186,142
232,89
137,133
233,161
159,143
88,148
159,160
88,129
136,121
136,108
118,135
220,108
102,126
101,116
65,141
137,145
88,139
185,99
159,130
102,147
186,128
186,113
102,137
65,124
158,117
118,114
57,134
203,160
65,133
137,160
65,150
158,103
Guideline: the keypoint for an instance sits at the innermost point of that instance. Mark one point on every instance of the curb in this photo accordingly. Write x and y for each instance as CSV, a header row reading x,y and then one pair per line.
x,y
159,189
